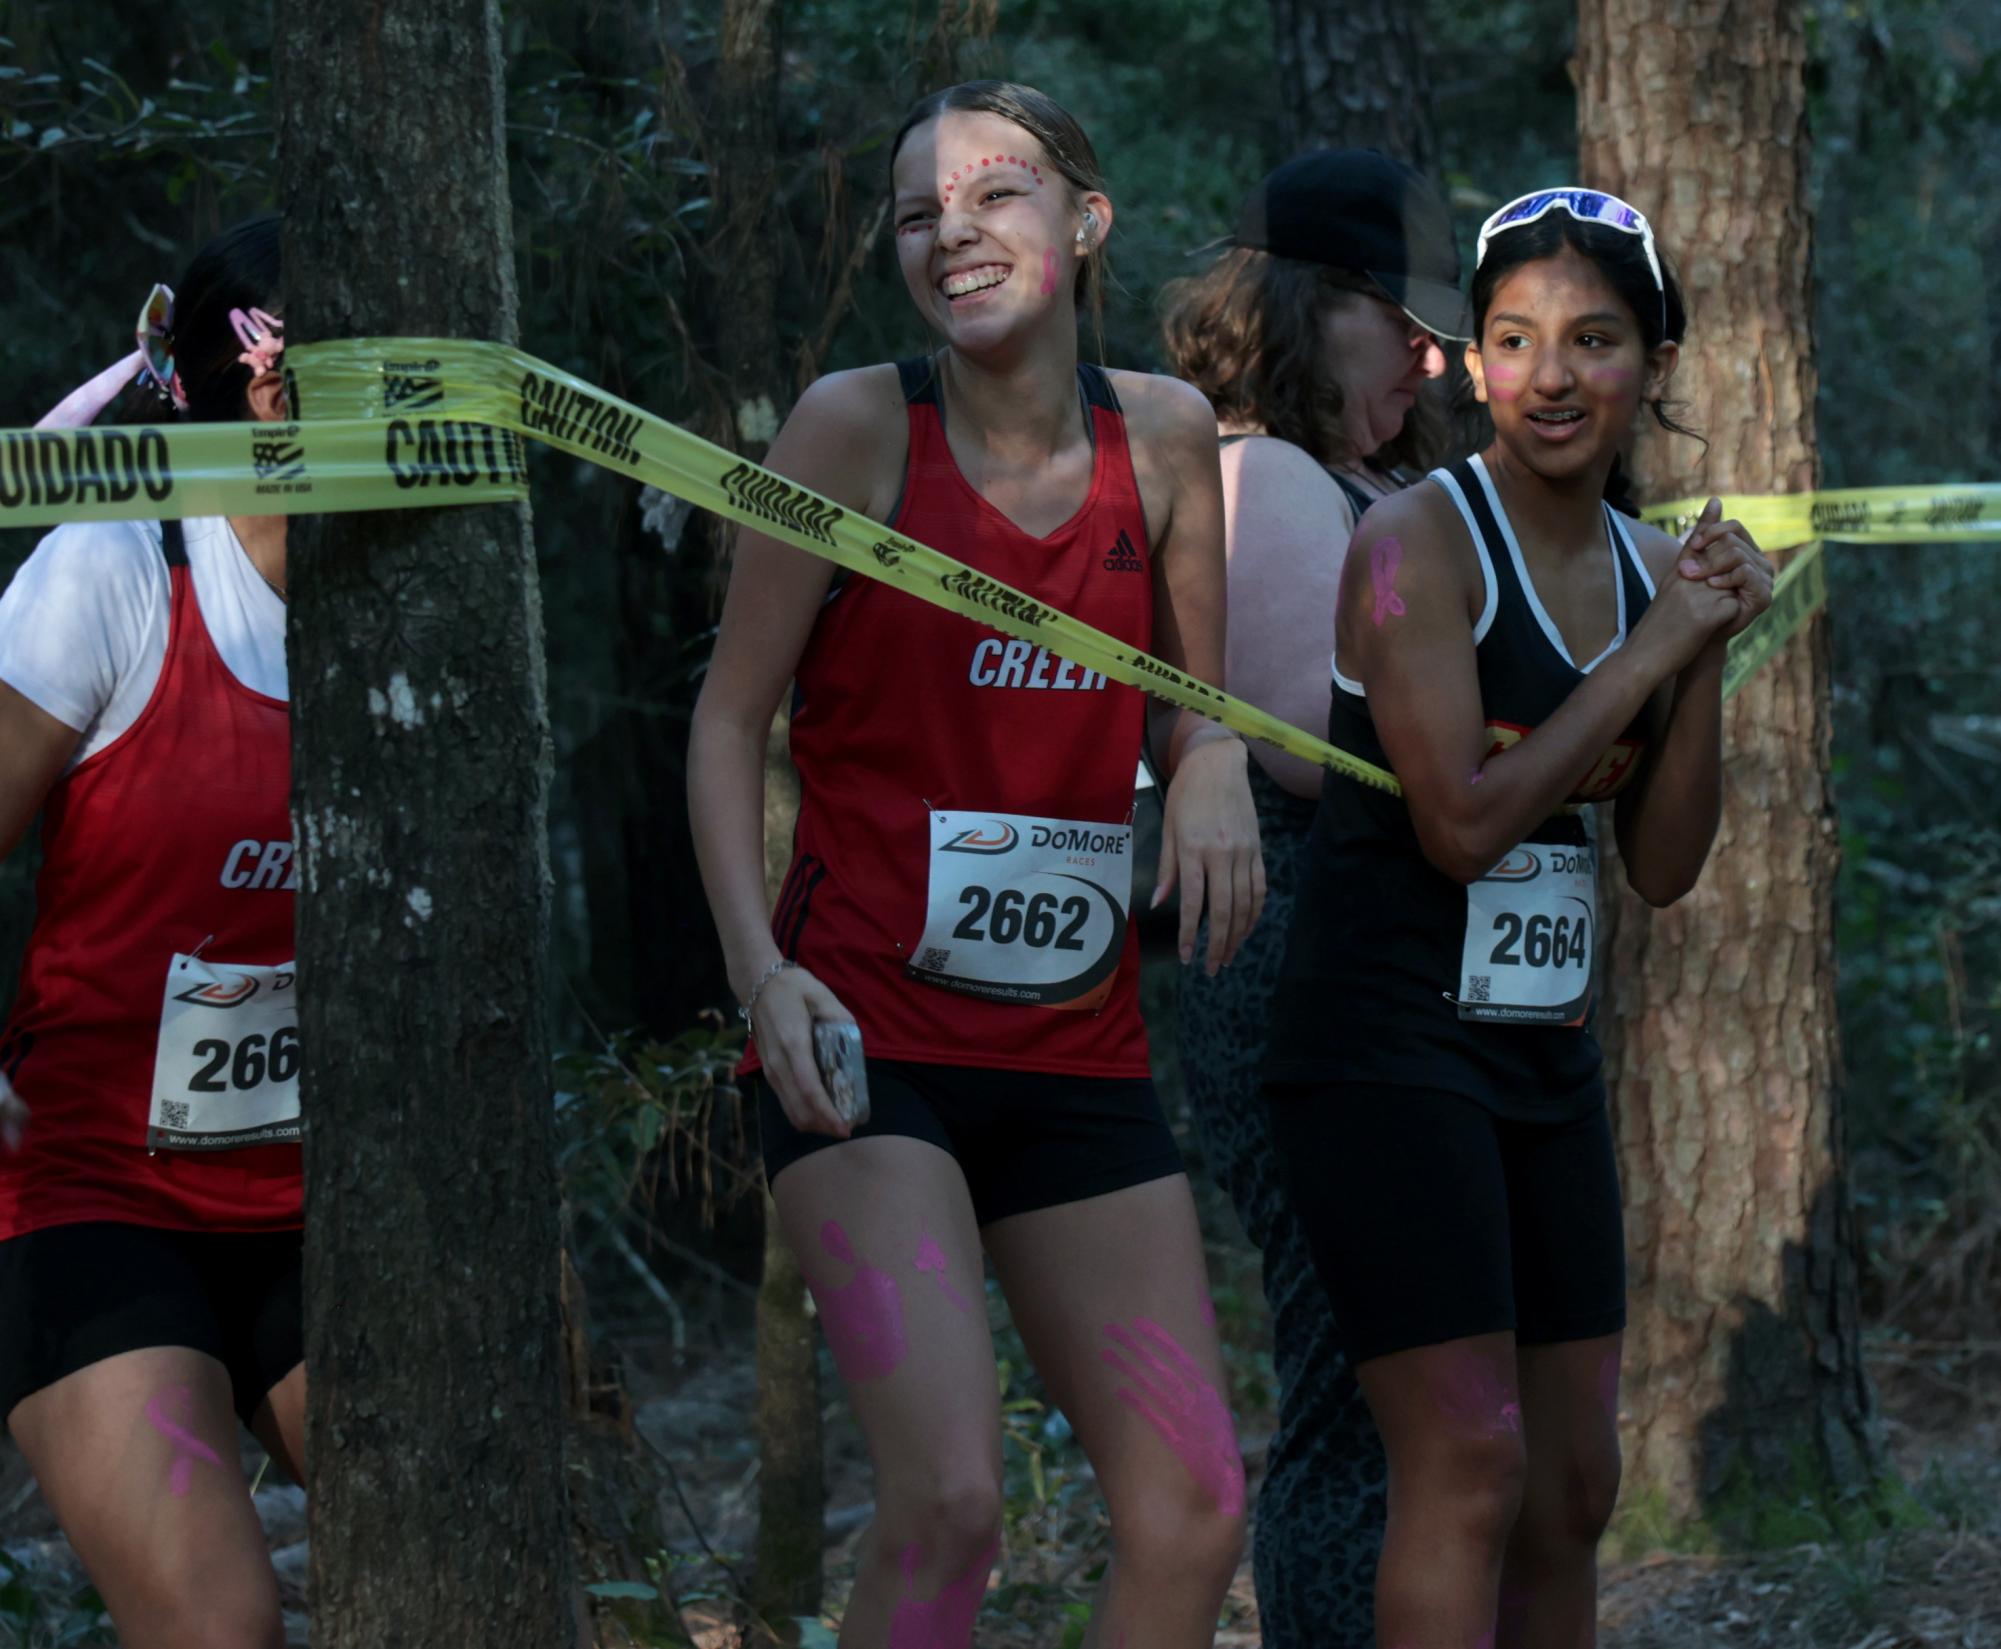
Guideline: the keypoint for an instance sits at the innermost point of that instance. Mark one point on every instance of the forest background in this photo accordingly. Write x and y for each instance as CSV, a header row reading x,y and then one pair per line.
x,y
122,148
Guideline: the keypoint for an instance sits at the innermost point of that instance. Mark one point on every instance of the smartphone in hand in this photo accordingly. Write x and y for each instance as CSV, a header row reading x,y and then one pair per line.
x,y
837,1050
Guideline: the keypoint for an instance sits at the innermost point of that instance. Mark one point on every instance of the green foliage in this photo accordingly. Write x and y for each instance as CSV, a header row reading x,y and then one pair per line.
x,y
635,1113
41,1611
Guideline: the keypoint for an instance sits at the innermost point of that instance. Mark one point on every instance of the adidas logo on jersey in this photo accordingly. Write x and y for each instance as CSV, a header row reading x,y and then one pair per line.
x,y
1124,558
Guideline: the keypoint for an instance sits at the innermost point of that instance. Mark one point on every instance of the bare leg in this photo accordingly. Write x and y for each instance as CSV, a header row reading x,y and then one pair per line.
x,y
1570,1415
884,1231
1112,1300
136,1455
1451,1420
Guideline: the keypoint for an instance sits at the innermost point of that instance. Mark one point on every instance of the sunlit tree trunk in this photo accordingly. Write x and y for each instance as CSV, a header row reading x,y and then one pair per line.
x,y
1744,1368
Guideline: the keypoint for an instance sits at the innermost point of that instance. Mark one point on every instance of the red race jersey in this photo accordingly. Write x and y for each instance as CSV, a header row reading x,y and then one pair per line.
x,y
961,874
173,841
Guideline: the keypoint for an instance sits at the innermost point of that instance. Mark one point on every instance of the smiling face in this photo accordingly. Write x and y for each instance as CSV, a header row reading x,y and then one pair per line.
x,y
1562,366
986,229
1380,357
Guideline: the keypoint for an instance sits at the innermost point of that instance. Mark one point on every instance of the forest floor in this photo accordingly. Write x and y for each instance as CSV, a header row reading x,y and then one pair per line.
x,y
1931,1580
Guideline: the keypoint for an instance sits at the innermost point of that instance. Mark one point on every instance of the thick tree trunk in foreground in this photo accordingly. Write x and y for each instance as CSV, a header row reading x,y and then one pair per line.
x,y
1353,76
422,760
1744,1369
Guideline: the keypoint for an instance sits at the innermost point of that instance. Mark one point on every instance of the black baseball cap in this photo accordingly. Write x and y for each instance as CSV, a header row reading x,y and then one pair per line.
x,y
1366,211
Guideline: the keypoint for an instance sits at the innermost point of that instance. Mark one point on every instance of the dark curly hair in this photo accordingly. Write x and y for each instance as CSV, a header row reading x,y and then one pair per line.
x,y
1247,333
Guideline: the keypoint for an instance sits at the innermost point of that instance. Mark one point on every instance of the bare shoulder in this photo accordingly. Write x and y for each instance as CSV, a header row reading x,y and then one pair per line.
x,y
848,437
1164,409
1422,521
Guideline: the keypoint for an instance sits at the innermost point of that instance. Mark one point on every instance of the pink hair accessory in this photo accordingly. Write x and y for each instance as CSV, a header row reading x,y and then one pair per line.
x,y
262,337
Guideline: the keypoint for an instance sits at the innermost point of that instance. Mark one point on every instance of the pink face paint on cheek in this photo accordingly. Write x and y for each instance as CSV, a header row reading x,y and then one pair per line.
x,y
1385,558
1610,380
944,1621
864,1319
170,1413
1168,1389
930,1257
1504,383
1049,268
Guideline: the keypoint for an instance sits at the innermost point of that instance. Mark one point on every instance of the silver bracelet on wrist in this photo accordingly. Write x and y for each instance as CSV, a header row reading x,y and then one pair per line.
x,y
750,1002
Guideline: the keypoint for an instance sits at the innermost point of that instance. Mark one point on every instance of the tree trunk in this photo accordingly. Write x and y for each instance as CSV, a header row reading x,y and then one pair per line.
x,y
421,752
1744,1369
1354,76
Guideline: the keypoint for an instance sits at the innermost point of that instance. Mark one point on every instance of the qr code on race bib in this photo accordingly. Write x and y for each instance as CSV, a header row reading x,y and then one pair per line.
x,y
933,960
173,1113
1479,987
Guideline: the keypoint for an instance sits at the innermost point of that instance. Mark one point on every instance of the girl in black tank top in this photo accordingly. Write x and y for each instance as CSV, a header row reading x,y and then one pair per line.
x,y
1514,650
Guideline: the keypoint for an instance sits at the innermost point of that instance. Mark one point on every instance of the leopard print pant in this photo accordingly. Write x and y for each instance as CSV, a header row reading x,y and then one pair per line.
x,y
1319,1516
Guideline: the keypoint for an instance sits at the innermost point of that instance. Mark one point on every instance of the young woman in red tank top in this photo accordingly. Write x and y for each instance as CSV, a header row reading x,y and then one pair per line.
x,y
961,885
150,1192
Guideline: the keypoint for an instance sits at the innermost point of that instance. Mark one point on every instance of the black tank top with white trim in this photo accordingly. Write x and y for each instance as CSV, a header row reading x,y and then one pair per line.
x,y
1370,988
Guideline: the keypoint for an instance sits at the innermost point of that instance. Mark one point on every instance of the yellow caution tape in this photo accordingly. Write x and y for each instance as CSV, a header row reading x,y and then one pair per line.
x,y
488,384
1852,515
399,422
172,471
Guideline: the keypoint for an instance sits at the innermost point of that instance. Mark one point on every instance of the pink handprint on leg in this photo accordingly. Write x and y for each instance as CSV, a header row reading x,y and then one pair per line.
x,y
864,1319
944,1621
1169,1390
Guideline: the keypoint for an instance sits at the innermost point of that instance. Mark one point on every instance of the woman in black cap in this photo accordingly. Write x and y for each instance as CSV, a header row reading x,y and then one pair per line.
x,y
1313,337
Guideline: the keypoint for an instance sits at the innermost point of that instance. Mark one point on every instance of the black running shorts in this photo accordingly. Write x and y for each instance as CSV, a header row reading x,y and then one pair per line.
x,y
1430,1218
1024,1139
73,1295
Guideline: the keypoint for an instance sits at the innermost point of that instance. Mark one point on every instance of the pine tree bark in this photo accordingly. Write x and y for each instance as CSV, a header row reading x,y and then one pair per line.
x,y
1354,76
1743,1359
422,763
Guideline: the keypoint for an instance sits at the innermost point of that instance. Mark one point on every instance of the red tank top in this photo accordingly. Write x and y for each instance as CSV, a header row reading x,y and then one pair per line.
x,y
177,837
930,746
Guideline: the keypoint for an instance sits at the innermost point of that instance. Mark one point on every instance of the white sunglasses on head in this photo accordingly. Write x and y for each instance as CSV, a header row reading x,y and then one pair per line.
x,y
1585,205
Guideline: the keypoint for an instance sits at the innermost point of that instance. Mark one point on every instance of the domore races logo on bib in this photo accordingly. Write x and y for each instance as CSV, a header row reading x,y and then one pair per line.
x,y
1519,866
992,837
220,993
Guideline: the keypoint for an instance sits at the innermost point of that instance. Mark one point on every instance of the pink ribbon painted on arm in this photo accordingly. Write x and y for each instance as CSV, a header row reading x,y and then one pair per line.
x,y
1384,559
188,1448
